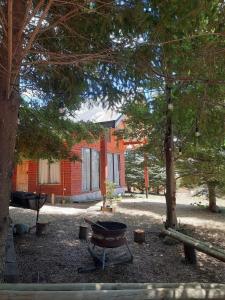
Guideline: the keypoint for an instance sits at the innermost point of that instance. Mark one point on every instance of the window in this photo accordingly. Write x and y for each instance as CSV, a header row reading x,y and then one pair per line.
x,y
95,169
110,167
86,178
113,166
49,172
90,169
117,169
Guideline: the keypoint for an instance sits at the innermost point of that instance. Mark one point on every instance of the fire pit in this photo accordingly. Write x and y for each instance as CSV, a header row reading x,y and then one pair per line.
x,y
113,237
106,235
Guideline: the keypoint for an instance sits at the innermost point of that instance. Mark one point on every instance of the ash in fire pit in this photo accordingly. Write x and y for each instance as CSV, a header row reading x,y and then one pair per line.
x,y
106,235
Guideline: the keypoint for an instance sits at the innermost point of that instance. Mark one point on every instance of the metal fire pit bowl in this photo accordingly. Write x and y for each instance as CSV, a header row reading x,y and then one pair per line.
x,y
112,237
106,235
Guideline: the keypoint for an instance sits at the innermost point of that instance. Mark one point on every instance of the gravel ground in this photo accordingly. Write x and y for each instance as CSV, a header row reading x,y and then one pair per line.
x,y
57,255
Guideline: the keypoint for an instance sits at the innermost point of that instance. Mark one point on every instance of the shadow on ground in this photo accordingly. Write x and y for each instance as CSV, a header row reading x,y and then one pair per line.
x,y
57,255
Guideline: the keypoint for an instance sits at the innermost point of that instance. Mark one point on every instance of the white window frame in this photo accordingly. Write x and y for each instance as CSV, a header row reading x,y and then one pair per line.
x,y
95,170
90,180
113,168
110,172
116,169
86,175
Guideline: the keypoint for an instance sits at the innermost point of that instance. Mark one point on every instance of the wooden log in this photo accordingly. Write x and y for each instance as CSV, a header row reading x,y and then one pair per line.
x,y
40,228
190,255
11,273
108,209
107,286
53,199
196,242
139,236
207,244
207,248
180,291
83,232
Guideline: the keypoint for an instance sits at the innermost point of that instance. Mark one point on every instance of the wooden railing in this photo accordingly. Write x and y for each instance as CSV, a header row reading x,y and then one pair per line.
x,y
118,291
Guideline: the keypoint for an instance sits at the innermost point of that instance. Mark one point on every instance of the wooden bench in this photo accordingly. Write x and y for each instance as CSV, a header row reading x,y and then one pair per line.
x,y
191,244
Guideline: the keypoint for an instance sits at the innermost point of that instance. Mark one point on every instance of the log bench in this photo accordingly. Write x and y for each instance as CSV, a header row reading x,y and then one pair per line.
x,y
191,244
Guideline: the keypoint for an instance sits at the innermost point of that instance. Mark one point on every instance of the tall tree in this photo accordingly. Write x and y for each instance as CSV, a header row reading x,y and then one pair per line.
x,y
179,52
53,51
135,162
204,167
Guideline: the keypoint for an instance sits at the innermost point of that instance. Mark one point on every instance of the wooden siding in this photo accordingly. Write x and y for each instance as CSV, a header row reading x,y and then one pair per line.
x,y
71,172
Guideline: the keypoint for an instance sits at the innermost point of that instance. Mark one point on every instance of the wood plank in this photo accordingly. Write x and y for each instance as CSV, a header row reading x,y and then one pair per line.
x,y
183,291
106,286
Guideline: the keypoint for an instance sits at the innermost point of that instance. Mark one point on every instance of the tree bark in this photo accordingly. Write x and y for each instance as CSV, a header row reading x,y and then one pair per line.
x,y
10,61
103,168
212,197
171,219
8,124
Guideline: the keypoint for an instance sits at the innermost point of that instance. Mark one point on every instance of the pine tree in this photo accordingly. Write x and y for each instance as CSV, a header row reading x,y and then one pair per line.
x,y
135,163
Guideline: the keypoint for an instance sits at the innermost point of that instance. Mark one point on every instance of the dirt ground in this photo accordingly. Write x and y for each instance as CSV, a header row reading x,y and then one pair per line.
x,y
57,255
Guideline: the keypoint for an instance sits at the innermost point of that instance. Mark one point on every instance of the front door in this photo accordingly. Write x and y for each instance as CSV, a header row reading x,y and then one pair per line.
x,y
22,177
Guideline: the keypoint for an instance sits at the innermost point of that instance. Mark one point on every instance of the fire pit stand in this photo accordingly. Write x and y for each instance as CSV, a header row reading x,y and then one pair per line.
x,y
105,236
102,259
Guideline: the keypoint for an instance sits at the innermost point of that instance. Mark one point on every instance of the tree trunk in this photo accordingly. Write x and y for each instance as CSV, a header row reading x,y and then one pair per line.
x,y
8,124
157,190
171,219
212,197
10,61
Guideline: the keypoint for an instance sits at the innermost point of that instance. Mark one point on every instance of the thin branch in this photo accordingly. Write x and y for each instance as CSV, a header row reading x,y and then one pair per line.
x,y
3,20
188,38
20,34
74,61
36,9
186,78
62,19
37,29
4,68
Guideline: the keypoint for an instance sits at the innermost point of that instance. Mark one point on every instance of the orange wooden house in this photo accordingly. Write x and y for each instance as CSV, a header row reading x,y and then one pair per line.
x,y
82,180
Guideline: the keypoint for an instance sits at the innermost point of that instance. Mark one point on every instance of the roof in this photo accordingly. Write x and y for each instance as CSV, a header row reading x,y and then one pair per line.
x,y
98,114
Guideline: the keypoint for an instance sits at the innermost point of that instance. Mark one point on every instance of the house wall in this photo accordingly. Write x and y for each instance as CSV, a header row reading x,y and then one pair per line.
x,y
76,167
113,146
71,172
63,188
